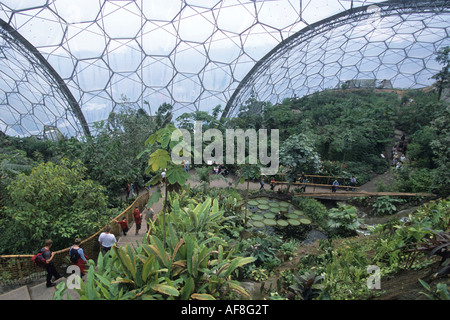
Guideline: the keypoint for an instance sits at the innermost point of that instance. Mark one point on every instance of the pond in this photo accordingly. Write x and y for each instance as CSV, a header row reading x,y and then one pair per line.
x,y
282,218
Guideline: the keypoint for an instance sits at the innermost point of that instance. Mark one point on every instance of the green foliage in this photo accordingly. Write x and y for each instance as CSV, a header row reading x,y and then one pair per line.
x,y
297,155
53,201
343,265
192,264
419,150
204,219
289,248
263,250
342,271
441,150
314,209
343,220
414,180
443,76
12,163
397,237
440,293
307,286
209,121
111,155
385,205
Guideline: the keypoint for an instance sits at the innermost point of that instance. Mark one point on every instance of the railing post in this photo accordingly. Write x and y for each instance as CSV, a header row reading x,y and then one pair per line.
x,y
20,270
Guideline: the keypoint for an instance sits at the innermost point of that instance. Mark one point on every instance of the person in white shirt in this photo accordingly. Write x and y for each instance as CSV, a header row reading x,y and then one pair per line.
x,y
163,176
106,240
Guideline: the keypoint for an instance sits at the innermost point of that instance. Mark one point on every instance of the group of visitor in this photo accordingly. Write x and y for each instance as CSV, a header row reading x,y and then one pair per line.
x,y
220,169
77,255
399,153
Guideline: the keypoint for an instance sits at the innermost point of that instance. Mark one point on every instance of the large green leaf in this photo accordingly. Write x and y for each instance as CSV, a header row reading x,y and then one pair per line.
x,y
188,288
177,174
159,159
202,296
236,263
165,289
154,197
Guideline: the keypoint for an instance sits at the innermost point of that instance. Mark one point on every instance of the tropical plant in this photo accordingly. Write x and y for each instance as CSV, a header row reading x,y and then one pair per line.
x,y
184,268
203,219
262,249
439,245
111,154
297,155
288,249
443,76
385,205
56,202
204,175
247,172
307,286
160,160
343,220
440,293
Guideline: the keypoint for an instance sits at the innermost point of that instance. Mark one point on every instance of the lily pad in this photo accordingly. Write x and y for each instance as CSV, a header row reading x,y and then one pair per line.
x,y
298,212
270,222
256,217
263,206
282,223
258,224
305,221
294,222
273,204
263,201
292,216
274,210
252,203
284,204
269,215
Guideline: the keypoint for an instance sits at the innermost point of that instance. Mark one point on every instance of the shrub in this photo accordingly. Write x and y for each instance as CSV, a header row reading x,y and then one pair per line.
x,y
53,201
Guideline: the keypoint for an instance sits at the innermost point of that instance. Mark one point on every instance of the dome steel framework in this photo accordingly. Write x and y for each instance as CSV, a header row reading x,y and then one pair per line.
x,y
68,64
389,45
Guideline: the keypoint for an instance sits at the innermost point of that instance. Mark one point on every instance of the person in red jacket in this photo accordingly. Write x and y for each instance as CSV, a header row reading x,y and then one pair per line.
x,y
137,219
124,225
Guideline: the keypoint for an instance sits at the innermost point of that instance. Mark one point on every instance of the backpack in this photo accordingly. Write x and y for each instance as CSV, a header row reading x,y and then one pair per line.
x,y
39,259
74,255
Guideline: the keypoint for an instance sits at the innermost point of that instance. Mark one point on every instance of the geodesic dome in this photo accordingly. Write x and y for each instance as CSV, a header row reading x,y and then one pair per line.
x,y
69,63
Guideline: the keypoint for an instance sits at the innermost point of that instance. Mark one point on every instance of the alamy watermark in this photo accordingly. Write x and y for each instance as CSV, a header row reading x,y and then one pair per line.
x,y
73,281
235,153
374,281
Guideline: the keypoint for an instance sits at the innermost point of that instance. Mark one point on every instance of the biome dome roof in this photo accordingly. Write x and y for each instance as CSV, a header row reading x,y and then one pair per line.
x,y
69,63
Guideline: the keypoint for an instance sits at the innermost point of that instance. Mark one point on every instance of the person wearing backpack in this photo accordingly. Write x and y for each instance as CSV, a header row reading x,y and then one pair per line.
x,y
78,257
48,263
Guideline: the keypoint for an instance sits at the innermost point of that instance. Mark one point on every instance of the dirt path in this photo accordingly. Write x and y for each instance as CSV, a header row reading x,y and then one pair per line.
x,y
386,178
